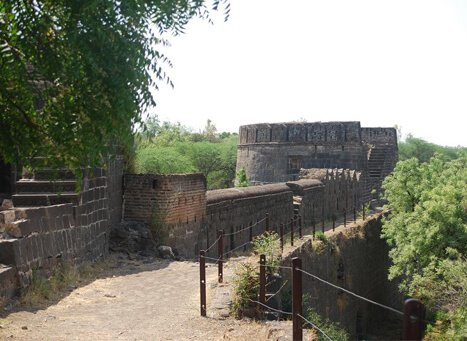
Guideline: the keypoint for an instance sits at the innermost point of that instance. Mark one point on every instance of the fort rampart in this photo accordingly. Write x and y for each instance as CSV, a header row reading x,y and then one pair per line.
x,y
272,153
357,259
183,215
173,205
38,238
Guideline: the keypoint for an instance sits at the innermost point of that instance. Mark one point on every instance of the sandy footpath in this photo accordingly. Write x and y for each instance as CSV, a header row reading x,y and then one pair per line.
x,y
136,300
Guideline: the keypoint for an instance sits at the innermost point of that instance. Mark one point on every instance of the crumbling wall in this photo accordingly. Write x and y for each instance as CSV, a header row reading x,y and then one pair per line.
x,y
174,205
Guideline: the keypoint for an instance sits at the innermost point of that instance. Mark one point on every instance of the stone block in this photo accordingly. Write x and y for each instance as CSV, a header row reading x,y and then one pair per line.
x,y
9,252
7,216
8,282
22,228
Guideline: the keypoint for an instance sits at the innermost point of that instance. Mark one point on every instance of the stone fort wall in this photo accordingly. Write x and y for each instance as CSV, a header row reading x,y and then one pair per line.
x,y
358,262
276,152
38,238
186,217
234,209
173,205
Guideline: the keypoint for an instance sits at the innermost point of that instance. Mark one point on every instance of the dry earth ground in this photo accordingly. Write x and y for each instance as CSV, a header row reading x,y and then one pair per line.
x,y
136,300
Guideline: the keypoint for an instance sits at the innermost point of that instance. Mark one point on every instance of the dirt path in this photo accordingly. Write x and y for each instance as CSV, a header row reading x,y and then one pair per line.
x,y
136,300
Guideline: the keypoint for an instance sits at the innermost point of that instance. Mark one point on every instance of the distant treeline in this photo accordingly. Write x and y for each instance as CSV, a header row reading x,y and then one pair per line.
x,y
424,151
165,148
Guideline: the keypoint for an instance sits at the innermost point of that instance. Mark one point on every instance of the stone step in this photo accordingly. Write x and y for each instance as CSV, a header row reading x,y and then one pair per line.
x,y
44,199
9,282
53,174
45,186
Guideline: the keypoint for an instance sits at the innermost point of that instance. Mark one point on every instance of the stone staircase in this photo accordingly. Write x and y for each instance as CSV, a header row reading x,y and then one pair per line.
x,y
381,162
40,190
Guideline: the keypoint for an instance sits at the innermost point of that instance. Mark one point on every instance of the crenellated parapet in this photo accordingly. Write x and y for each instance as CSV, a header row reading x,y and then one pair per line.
x,y
313,133
379,135
275,152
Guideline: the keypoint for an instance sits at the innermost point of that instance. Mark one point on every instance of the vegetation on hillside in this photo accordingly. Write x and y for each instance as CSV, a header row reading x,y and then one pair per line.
x,y
427,233
423,150
173,148
76,76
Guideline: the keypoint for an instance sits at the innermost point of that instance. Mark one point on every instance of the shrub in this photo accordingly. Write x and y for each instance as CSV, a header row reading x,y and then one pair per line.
x,y
245,289
332,329
326,242
269,244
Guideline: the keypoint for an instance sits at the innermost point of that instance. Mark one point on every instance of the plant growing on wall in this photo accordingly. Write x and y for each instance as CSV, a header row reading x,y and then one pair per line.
x,y
268,244
326,243
242,179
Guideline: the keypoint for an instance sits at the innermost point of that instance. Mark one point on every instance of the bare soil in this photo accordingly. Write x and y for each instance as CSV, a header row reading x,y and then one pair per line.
x,y
136,300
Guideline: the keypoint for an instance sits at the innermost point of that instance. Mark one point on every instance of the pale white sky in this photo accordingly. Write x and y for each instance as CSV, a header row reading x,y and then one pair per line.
x,y
382,63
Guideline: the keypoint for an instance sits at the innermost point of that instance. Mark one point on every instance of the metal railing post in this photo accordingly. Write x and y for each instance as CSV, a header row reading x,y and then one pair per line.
x,y
291,231
262,283
414,317
202,281
220,256
297,299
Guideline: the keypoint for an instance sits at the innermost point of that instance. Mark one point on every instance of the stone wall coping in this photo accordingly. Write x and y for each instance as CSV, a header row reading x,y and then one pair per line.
x,y
172,175
298,123
301,185
217,195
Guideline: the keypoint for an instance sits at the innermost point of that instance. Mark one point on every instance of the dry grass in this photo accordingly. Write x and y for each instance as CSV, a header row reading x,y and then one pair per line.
x,y
66,277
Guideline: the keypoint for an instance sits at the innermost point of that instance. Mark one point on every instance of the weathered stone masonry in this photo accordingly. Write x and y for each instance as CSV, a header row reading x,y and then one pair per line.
x,y
276,152
186,217
38,237
359,262
236,208
174,203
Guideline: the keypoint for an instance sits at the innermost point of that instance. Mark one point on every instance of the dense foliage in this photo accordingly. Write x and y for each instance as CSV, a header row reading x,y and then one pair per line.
x,y
172,148
76,75
423,150
427,232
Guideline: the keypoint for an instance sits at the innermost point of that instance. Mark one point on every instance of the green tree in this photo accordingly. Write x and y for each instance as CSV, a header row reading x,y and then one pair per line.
x,y
423,150
428,215
223,176
76,75
205,156
175,149
427,233
162,160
